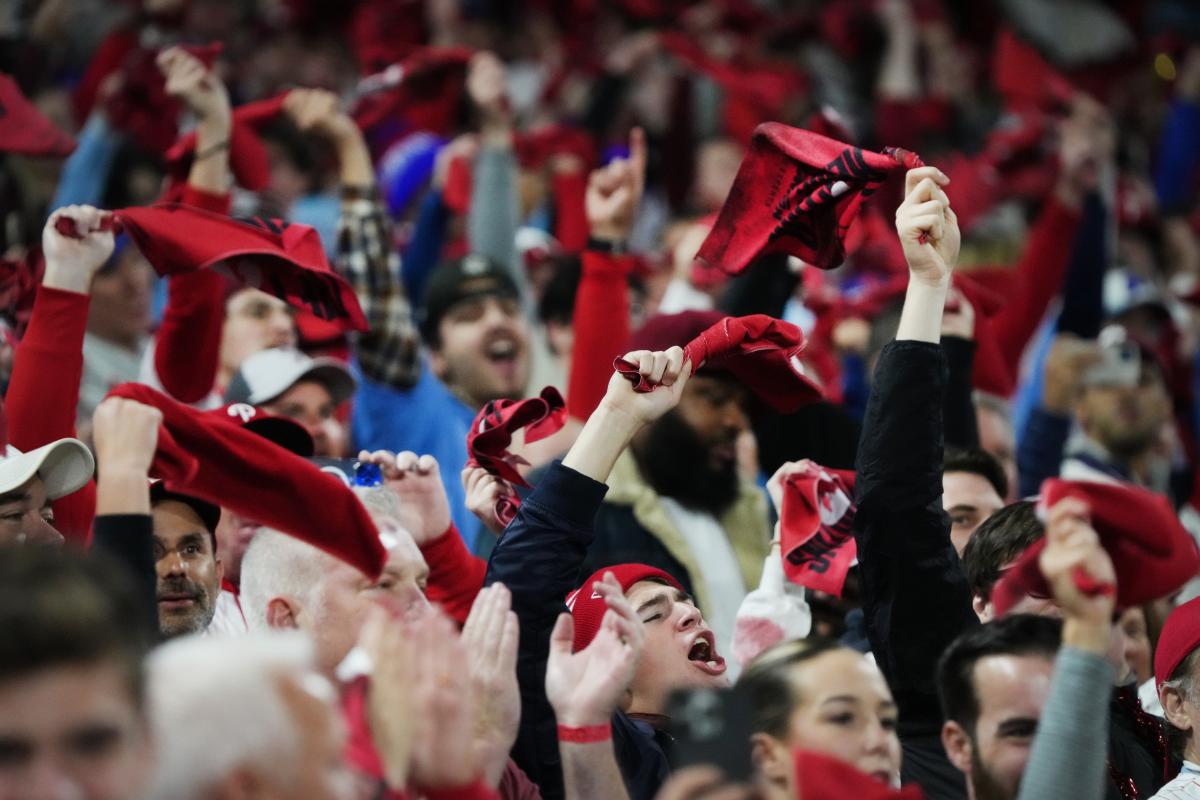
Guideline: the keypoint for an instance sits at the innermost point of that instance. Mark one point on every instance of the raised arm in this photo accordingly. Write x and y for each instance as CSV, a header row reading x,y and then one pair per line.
x,y
915,596
187,345
540,554
1071,746
388,352
43,391
601,320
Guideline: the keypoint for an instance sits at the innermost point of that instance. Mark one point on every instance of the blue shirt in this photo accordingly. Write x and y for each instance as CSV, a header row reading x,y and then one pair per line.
x,y
427,419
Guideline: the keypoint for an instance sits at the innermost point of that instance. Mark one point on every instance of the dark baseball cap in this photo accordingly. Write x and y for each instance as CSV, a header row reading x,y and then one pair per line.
x,y
208,513
461,280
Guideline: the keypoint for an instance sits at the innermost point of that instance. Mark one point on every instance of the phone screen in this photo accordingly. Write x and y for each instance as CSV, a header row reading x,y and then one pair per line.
x,y
712,726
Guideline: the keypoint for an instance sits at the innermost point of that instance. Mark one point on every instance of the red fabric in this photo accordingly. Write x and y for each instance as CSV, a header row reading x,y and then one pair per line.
x,y
385,31
822,777
24,129
455,575
601,324
753,92
570,213
761,352
1023,77
214,458
587,607
491,435
534,148
588,735
815,528
279,257
248,160
43,393
19,281
456,194
1038,278
187,344
141,107
428,93
1180,636
1152,552
107,59
796,192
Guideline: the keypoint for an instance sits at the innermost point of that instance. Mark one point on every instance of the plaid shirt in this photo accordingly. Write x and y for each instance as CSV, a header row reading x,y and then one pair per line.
x,y
389,352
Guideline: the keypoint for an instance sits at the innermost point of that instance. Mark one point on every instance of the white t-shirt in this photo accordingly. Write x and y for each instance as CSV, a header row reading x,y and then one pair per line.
x,y
227,619
1185,786
719,571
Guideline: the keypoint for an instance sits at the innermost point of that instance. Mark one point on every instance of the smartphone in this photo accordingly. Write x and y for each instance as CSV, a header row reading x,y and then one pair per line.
x,y
712,726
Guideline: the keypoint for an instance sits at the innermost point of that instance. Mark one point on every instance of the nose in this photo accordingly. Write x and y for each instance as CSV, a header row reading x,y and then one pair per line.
x,y
876,737
733,415
689,616
38,531
46,782
171,564
280,323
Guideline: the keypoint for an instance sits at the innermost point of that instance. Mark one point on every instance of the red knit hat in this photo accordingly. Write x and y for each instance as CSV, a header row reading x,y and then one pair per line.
x,y
761,352
1151,551
587,607
796,192
1180,636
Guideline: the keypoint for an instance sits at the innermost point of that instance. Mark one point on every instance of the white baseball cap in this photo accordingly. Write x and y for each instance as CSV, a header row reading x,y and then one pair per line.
x,y
269,373
64,466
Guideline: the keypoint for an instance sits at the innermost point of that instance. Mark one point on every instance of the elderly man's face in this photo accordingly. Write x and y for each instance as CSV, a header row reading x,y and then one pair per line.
x,y
26,516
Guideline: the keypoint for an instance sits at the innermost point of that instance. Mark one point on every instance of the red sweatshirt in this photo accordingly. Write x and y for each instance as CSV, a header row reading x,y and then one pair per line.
x,y
601,329
187,345
455,576
570,215
44,391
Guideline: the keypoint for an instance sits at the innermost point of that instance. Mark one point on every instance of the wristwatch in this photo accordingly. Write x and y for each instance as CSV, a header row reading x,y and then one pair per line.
x,y
610,246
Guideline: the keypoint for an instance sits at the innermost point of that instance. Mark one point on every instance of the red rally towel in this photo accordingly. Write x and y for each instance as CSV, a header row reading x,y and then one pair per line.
x,y
1153,554
817,539
141,107
24,130
247,153
427,89
281,258
796,193
492,432
762,352
822,777
211,456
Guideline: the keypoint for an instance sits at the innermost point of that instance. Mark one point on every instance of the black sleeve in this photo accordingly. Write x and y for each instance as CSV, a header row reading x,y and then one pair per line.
x,y
961,429
129,539
538,558
915,595
1083,292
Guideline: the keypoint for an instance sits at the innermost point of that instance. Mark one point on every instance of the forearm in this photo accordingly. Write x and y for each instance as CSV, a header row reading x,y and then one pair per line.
x,y
1040,449
210,167
354,160
493,216
570,216
961,429
604,437
455,576
187,344
601,324
1069,752
591,771
1083,290
921,317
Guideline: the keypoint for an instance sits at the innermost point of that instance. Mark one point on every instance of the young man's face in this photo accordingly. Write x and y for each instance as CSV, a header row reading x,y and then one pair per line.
x,y
680,650
189,572
483,353
1127,420
310,404
969,499
1011,692
26,516
72,731
254,321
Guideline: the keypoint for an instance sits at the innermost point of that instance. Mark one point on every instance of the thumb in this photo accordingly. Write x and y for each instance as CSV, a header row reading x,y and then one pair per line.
x,y
562,638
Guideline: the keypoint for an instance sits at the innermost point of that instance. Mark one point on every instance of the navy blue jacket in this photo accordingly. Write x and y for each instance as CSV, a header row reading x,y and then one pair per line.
x,y
538,558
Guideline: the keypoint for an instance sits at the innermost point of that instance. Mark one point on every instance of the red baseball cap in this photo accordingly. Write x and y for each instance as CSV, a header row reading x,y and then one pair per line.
x,y
588,607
